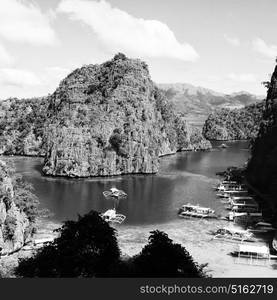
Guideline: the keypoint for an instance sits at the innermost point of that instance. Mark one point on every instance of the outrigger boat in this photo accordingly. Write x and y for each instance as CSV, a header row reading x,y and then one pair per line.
x,y
243,205
232,216
261,227
196,211
252,252
227,194
114,193
111,216
233,235
230,187
225,182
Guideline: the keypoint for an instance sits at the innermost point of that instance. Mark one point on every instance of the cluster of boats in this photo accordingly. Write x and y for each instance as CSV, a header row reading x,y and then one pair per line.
x,y
238,201
111,216
241,205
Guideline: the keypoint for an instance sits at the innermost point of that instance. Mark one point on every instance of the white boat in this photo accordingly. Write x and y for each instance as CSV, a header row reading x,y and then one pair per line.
x,y
274,243
114,193
233,234
228,193
252,252
230,187
236,216
262,227
243,205
196,211
111,216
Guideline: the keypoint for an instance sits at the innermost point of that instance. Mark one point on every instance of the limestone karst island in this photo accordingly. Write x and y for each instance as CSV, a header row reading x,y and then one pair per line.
x,y
137,142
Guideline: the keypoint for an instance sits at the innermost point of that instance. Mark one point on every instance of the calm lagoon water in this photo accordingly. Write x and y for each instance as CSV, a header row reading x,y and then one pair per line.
x,y
153,202
184,177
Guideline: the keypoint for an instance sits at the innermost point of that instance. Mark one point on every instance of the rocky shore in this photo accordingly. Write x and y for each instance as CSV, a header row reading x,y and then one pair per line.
x,y
15,227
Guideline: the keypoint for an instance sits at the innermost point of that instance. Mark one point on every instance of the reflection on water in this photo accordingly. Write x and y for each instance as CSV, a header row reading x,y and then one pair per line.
x,y
184,177
153,203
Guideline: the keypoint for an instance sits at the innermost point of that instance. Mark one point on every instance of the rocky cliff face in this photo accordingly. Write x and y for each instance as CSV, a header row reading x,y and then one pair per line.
x,y
236,124
261,170
21,126
111,119
15,227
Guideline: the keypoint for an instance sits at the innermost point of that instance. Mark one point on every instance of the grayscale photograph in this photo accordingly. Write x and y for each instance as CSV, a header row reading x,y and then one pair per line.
x,y
138,139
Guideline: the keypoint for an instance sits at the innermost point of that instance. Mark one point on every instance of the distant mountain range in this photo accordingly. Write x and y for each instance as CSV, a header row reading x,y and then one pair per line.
x,y
196,103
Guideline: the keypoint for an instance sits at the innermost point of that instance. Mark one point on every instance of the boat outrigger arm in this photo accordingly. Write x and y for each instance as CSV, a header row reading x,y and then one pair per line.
x,y
114,193
111,216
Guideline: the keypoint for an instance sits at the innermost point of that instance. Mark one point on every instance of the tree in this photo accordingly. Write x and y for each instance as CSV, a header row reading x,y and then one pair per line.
x,y
85,248
163,258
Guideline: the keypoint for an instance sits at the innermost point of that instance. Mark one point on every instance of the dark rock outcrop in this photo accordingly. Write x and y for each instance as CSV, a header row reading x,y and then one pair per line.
x,y
262,167
15,226
236,124
111,119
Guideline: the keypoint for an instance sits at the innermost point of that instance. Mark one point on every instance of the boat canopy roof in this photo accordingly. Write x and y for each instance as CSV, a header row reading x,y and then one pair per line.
x,y
198,207
264,224
113,189
254,249
235,230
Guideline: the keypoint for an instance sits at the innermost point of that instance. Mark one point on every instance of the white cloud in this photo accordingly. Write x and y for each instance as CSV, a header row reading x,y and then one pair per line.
x,y
18,77
5,57
56,73
24,22
246,77
262,47
234,41
120,31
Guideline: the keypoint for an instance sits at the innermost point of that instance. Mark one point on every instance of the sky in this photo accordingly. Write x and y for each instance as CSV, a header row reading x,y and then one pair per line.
x,y
225,45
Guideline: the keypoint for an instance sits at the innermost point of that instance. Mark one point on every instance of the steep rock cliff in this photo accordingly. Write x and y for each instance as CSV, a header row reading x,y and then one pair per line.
x,y
111,119
262,167
15,226
235,124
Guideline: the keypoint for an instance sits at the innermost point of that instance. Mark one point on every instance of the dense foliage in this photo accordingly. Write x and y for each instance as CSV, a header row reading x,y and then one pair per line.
x,y
88,248
111,119
21,125
24,197
163,258
261,170
18,209
236,124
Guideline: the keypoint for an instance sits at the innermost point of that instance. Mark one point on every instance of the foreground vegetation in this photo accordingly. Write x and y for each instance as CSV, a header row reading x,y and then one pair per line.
x,y
88,247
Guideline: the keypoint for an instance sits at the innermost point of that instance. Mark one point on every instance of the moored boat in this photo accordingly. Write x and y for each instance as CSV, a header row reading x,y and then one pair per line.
x,y
196,211
230,193
114,193
230,187
232,216
262,227
252,252
111,216
243,204
233,234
